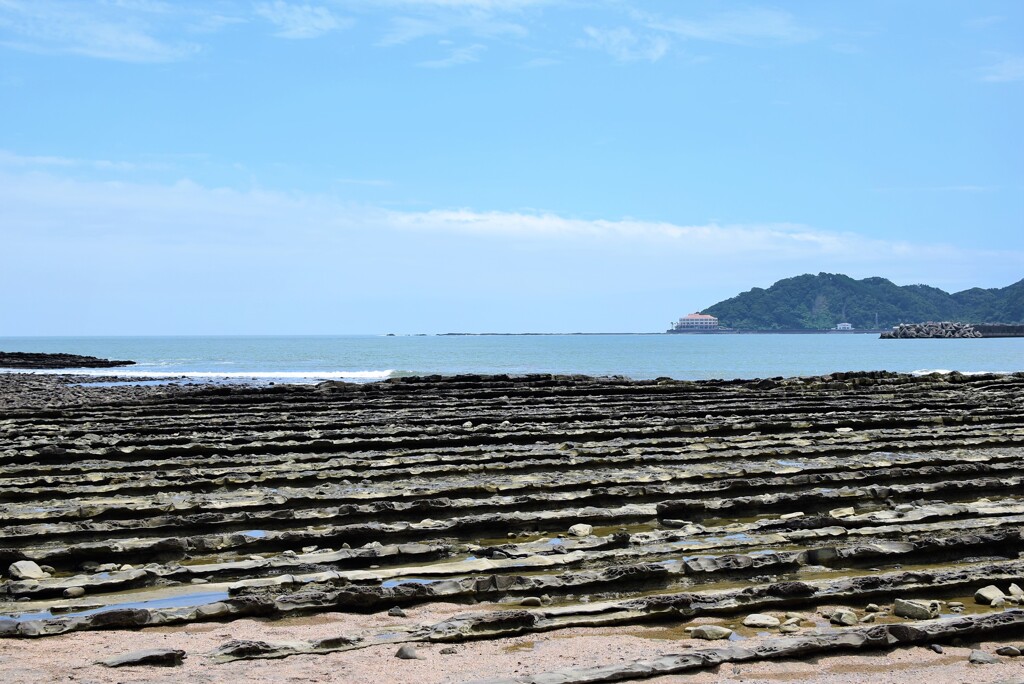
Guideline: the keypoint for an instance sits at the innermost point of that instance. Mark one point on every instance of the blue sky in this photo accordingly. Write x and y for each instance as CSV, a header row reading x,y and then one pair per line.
x,y
357,166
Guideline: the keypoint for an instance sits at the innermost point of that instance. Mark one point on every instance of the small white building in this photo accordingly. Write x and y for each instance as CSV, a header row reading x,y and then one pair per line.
x,y
696,321
844,326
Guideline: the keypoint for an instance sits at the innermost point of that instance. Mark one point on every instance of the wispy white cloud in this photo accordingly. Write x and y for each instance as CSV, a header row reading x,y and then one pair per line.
x,y
369,182
12,160
741,27
456,57
625,46
212,23
121,31
218,242
740,242
49,195
942,188
1010,68
406,29
301,21
490,5
984,21
540,62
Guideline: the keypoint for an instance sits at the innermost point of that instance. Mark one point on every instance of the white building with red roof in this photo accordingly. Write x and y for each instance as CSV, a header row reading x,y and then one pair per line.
x,y
695,322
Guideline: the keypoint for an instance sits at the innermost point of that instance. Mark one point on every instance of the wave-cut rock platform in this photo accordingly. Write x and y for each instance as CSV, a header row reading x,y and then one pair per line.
x,y
856,510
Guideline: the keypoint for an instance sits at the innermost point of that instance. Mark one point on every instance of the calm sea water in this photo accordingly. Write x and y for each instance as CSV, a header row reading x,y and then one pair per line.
x,y
687,357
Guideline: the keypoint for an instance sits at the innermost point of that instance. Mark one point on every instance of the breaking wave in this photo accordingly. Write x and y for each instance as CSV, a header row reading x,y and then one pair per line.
x,y
287,376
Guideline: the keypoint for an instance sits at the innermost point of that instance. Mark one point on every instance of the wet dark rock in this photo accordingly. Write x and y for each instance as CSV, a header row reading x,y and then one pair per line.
x,y
790,589
396,612
120,618
38,360
240,649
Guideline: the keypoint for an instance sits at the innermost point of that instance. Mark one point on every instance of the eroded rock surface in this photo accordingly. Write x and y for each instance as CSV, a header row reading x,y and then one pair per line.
x,y
563,501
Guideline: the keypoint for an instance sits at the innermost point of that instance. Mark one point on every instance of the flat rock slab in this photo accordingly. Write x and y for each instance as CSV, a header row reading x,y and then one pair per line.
x,y
34,360
159,657
808,646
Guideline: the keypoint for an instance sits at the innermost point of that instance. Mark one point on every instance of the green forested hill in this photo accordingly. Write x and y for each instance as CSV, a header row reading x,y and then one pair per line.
x,y
823,300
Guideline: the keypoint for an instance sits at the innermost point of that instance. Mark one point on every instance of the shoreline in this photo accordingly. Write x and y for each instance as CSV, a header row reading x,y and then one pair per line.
x,y
554,520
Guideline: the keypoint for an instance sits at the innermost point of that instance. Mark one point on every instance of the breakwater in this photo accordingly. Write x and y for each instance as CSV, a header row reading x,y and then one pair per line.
x,y
951,330
1000,330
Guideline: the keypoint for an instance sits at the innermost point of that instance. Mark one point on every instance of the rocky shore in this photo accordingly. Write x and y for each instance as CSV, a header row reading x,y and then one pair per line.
x,y
792,517
34,360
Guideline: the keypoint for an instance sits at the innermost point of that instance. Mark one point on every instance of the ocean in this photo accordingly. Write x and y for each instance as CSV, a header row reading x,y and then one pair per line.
x,y
365,358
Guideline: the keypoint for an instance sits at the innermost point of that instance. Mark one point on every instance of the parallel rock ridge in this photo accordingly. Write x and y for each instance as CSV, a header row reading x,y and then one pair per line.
x,y
568,501
35,360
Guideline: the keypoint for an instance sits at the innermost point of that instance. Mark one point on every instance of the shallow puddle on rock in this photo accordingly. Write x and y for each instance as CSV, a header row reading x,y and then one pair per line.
x,y
154,603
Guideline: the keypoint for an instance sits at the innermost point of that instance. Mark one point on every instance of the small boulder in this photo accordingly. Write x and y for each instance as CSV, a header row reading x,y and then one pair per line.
x,y
212,611
74,592
8,626
160,657
408,652
531,602
396,612
1008,651
789,629
581,530
760,620
26,569
915,610
1015,590
936,647
986,596
843,617
710,632
871,608
981,658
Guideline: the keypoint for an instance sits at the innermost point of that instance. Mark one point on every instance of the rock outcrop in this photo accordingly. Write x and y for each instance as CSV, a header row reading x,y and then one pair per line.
x,y
36,360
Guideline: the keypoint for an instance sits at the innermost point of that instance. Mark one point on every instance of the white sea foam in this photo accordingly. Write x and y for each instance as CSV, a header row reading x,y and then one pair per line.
x,y
307,376
946,371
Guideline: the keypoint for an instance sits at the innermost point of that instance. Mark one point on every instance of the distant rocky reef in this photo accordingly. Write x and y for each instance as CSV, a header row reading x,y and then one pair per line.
x,y
948,329
33,360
